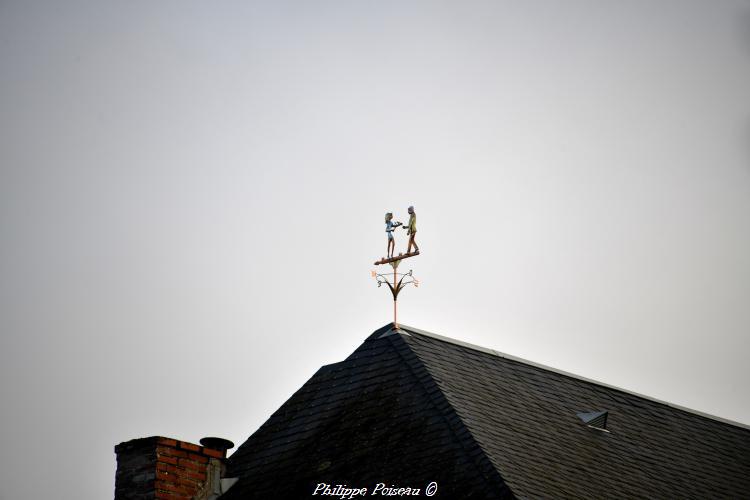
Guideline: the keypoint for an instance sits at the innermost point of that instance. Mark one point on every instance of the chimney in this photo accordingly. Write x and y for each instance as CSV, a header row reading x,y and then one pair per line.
x,y
163,468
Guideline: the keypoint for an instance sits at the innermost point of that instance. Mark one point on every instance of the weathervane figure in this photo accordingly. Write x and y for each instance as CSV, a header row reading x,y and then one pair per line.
x,y
397,281
389,228
411,230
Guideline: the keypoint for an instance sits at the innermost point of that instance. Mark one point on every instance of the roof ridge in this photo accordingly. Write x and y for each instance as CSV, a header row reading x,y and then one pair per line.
x,y
486,350
455,423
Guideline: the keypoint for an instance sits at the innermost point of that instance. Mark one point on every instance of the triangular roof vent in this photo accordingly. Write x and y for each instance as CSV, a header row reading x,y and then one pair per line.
x,y
594,419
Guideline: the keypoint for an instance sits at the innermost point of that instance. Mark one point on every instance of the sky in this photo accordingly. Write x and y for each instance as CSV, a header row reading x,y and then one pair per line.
x,y
192,198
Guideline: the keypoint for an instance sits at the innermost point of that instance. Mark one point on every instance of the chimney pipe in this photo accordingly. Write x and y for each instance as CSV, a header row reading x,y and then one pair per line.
x,y
159,467
218,444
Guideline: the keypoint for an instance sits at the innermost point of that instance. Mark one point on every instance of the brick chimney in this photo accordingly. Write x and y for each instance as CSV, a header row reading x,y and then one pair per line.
x,y
163,468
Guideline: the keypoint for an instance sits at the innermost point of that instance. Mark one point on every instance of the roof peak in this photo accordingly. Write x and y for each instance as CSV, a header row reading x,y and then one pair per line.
x,y
388,330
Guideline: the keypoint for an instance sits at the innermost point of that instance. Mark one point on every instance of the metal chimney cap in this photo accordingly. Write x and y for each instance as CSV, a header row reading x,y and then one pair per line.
x,y
215,443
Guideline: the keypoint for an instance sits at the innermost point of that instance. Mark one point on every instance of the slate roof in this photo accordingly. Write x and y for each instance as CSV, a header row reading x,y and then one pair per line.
x,y
410,407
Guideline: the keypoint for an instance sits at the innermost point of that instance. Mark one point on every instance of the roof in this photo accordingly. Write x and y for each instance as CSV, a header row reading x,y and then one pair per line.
x,y
409,407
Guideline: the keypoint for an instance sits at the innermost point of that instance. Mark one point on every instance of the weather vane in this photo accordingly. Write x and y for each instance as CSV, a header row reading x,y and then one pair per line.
x,y
397,281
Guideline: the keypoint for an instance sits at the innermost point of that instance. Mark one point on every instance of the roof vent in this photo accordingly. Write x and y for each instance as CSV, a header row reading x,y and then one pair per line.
x,y
595,419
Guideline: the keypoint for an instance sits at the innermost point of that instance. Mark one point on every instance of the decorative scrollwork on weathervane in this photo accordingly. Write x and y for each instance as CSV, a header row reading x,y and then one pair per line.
x,y
404,279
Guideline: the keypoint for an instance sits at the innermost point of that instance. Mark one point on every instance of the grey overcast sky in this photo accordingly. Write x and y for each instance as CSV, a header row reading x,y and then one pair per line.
x,y
192,196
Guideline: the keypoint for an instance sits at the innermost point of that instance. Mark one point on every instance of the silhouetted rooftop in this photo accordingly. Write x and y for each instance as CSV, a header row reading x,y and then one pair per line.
x,y
411,407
